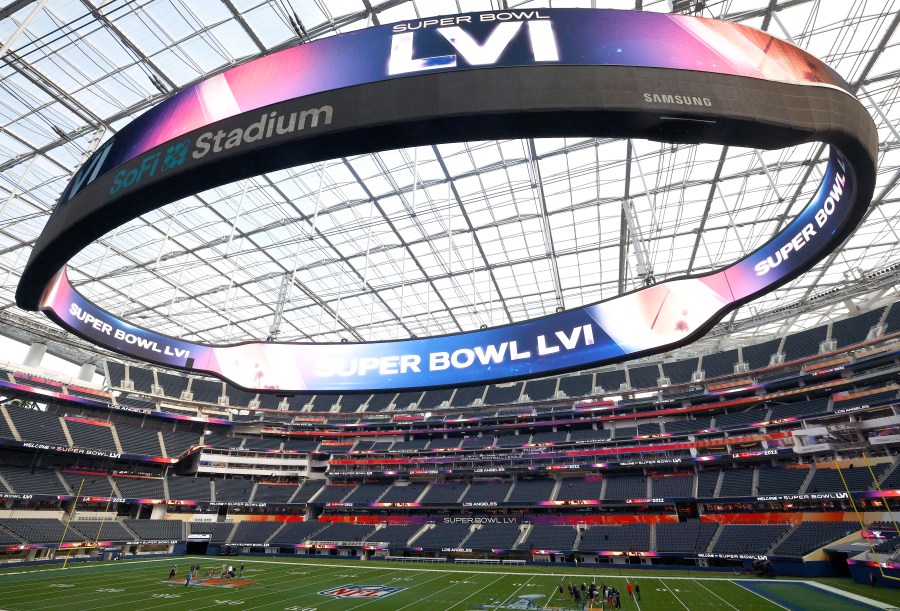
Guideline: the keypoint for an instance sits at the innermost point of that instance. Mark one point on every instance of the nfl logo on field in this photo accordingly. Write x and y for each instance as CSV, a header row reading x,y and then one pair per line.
x,y
357,591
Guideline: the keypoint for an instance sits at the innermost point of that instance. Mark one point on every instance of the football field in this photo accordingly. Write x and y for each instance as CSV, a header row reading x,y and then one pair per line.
x,y
321,585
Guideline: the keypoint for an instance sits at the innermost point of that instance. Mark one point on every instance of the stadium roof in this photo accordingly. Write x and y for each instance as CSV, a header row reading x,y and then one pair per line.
x,y
502,231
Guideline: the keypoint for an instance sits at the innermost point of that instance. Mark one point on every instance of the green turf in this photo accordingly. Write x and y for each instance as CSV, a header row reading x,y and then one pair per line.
x,y
294,585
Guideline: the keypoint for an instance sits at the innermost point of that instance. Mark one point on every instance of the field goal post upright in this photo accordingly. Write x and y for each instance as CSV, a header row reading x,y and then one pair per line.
x,y
62,539
859,518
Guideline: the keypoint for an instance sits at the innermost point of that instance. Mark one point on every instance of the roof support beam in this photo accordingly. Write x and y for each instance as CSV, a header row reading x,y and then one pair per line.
x,y
244,25
404,244
470,227
623,221
709,200
538,185
98,13
22,27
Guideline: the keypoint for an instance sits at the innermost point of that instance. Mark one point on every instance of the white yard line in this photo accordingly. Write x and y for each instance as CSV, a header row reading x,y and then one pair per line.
x,y
452,585
549,598
634,596
228,592
379,566
672,593
716,595
94,565
497,606
766,598
477,591
300,585
446,568
111,578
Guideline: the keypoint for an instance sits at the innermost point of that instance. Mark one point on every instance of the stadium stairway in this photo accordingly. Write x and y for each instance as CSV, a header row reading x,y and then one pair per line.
x,y
464,492
652,535
577,544
422,494
162,444
806,482
555,490
115,436
778,541
65,484
887,472
9,535
274,534
66,433
315,494
719,482
9,423
754,483
419,533
233,530
715,537
231,535
523,536
509,492
428,488
128,530
468,536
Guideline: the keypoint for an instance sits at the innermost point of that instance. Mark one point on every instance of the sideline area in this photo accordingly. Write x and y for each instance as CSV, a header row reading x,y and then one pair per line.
x,y
321,585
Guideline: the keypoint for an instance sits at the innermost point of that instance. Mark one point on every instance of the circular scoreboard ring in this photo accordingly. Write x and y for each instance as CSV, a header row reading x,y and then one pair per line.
x,y
502,74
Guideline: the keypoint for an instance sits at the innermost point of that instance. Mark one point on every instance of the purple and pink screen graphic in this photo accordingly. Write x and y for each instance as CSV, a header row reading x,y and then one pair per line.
x,y
576,37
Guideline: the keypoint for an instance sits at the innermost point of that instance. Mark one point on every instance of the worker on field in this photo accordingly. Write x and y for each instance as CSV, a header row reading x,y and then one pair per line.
x,y
173,571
